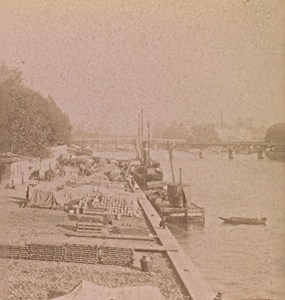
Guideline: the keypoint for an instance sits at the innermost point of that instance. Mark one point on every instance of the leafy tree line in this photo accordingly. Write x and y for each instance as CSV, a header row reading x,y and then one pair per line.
x,y
276,133
200,133
29,123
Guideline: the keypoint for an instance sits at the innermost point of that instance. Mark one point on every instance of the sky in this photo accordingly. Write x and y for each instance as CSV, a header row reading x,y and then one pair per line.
x,y
189,61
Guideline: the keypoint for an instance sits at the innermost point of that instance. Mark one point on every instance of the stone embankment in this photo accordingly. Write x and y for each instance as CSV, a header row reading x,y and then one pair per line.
x,y
190,276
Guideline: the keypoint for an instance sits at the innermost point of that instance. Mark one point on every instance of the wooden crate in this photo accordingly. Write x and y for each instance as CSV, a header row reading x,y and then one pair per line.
x,y
86,254
89,227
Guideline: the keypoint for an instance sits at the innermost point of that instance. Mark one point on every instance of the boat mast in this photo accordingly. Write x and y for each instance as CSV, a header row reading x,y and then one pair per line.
x,y
148,149
171,163
141,144
138,144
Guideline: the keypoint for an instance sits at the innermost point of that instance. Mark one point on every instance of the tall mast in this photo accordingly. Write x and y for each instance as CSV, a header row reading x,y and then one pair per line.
x,y
171,163
148,144
141,134
139,138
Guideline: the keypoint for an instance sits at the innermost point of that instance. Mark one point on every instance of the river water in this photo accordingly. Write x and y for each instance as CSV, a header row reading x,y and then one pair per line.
x,y
243,262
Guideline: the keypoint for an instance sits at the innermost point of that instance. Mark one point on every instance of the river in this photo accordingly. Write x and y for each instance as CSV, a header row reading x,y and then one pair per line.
x,y
243,262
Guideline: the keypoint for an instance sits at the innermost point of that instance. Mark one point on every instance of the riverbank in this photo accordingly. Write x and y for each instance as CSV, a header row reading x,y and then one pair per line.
x,y
184,267
30,279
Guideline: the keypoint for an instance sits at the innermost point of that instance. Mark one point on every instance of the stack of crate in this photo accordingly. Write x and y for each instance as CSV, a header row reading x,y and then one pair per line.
x,y
14,252
114,206
45,252
96,219
80,254
4,251
94,227
117,256
86,254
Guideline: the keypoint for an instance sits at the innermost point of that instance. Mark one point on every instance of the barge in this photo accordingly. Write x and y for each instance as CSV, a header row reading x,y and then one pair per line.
x,y
175,204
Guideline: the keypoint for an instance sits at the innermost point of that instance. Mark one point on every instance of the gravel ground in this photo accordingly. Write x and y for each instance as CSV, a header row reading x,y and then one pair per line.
x,y
27,225
45,280
23,279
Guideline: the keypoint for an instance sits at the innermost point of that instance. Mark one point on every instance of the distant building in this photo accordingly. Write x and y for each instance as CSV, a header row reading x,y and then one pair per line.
x,y
14,170
233,134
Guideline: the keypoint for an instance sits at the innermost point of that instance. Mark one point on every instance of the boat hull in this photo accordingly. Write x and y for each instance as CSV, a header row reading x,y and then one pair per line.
x,y
276,155
244,221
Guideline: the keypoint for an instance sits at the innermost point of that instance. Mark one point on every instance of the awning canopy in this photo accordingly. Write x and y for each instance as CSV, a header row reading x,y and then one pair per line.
x,y
86,290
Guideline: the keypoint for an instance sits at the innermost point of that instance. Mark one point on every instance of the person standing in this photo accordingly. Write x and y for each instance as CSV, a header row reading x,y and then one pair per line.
x,y
25,203
100,255
28,193
163,222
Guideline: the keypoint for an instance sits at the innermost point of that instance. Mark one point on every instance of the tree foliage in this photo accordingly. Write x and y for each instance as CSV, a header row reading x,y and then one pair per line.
x,y
199,133
172,131
29,123
203,134
276,133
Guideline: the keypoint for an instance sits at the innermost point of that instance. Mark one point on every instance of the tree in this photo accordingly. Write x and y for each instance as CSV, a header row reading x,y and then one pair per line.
x,y
29,123
203,134
59,124
276,133
10,82
172,131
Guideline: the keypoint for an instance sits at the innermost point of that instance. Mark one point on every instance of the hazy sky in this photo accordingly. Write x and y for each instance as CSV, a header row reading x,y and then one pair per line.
x,y
187,60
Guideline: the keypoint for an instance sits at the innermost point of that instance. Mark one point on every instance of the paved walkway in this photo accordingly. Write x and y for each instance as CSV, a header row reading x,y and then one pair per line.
x,y
193,281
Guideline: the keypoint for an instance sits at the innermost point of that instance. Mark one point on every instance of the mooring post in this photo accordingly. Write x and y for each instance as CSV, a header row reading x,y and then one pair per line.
x,y
231,153
260,153
201,154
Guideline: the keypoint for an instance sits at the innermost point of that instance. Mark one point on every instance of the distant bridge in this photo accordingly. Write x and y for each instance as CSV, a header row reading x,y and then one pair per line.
x,y
173,143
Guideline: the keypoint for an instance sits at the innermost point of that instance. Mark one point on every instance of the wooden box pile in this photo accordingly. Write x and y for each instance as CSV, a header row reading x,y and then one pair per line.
x,y
94,227
85,254
14,252
114,206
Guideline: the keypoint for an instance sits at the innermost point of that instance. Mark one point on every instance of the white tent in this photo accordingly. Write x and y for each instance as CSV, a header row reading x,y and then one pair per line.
x,y
86,290
45,197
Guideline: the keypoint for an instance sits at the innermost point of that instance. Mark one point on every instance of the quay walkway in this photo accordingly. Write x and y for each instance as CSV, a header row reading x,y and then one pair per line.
x,y
190,276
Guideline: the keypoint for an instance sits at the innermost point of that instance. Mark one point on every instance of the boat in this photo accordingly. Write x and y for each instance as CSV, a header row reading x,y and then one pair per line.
x,y
147,173
276,153
245,221
148,177
174,202
192,213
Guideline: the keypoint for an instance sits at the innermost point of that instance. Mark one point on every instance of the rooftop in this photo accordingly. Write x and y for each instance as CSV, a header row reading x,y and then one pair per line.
x,y
9,158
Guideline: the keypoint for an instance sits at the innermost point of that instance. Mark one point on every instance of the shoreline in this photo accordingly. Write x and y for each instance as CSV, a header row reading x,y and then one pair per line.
x,y
33,279
189,275
35,225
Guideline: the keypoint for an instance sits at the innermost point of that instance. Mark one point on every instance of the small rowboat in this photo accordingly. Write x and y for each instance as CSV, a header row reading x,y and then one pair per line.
x,y
246,221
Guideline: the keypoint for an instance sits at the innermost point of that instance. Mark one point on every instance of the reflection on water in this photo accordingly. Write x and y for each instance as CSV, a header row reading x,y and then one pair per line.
x,y
244,262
